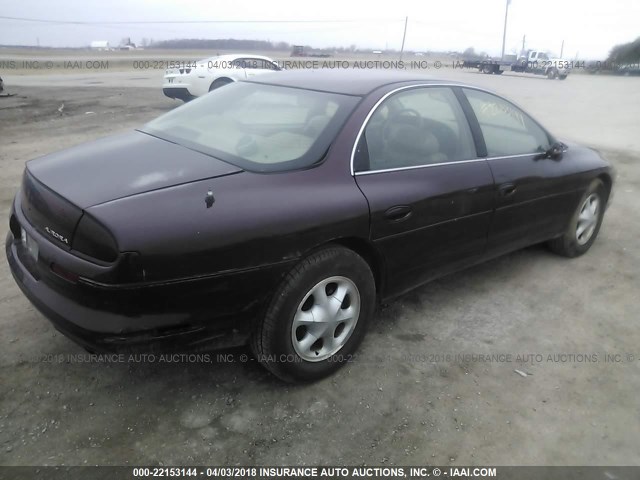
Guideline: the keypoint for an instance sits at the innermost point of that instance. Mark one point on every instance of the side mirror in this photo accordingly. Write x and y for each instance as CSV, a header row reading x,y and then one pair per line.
x,y
555,151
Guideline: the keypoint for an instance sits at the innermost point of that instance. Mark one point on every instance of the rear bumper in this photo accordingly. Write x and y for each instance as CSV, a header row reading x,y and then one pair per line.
x,y
187,315
104,331
181,93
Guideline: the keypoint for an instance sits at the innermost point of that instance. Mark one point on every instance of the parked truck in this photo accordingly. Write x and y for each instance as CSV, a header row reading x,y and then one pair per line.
x,y
535,61
302,51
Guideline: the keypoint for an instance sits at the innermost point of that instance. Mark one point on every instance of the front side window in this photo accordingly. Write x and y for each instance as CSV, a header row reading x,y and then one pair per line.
x,y
254,63
258,127
507,130
414,127
239,63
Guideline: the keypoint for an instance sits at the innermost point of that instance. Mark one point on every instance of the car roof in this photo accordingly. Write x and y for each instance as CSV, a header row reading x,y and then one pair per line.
x,y
352,81
230,57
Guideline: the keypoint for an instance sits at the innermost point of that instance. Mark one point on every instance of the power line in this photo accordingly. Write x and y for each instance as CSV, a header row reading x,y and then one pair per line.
x,y
148,22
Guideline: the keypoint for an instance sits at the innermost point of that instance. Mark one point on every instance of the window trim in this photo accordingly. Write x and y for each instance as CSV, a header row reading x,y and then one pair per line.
x,y
470,121
415,167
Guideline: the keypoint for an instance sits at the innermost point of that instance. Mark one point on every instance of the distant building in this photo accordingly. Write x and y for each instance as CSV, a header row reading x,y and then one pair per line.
x,y
99,45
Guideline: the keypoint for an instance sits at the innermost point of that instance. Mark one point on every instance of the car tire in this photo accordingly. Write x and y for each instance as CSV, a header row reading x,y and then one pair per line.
x,y
220,82
552,74
562,77
296,349
487,69
585,223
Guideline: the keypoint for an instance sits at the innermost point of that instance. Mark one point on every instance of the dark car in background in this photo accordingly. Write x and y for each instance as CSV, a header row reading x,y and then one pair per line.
x,y
629,69
280,211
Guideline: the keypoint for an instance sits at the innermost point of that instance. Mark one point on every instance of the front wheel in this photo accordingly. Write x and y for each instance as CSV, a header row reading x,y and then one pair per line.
x,y
552,74
317,317
585,223
562,77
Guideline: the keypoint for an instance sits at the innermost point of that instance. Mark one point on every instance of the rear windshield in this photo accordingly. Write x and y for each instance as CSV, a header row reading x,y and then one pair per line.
x,y
257,127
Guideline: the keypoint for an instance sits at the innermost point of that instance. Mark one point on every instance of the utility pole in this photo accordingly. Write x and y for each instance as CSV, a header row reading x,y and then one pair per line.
x,y
504,32
524,37
562,49
404,35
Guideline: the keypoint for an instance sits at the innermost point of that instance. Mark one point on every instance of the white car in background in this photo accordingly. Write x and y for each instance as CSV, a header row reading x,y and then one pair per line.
x,y
193,79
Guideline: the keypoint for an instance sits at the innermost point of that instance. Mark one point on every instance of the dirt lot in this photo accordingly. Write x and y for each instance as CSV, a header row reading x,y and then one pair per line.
x,y
415,394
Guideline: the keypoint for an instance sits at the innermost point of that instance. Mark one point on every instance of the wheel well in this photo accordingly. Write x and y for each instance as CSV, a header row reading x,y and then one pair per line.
x,y
606,179
369,253
224,79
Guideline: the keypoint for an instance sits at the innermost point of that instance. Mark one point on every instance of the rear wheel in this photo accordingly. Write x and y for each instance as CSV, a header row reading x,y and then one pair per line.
x,y
318,316
220,82
487,69
585,223
562,77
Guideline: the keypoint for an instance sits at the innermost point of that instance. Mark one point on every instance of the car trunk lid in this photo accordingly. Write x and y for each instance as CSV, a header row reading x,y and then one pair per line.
x,y
58,188
121,166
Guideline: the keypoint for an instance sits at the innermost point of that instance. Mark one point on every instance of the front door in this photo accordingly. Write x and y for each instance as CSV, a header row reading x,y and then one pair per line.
x,y
532,202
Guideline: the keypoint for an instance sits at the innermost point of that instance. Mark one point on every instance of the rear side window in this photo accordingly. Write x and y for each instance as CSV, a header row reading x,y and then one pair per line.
x,y
507,130
414,127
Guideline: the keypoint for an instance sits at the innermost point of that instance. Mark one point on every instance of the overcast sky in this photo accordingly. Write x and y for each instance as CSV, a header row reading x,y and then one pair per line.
x,y
589,27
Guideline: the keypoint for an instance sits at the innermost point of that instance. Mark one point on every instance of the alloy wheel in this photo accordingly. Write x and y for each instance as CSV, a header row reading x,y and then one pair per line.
x,y
588,219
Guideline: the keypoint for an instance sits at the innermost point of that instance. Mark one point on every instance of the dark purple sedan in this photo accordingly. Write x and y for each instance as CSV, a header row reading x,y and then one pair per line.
x,y
278,212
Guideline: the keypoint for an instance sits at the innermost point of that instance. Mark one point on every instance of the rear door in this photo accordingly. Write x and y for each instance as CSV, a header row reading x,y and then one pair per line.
x,y
429,195
532,202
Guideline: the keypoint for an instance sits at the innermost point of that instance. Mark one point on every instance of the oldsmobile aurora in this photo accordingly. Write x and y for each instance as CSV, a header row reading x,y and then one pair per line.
x,y
280,210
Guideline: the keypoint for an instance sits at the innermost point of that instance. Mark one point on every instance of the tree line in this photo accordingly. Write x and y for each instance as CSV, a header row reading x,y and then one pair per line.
x,y
625,53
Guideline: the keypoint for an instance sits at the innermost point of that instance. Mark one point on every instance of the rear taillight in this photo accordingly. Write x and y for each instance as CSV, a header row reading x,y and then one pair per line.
x,y
94,240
